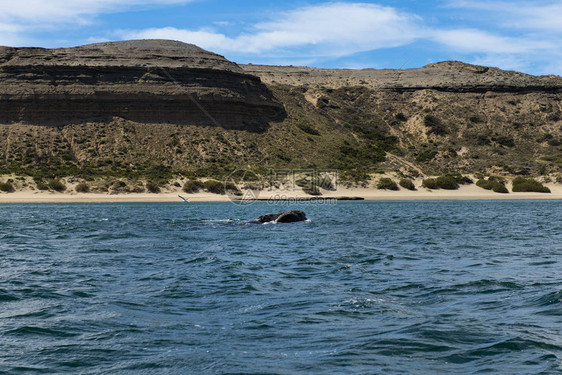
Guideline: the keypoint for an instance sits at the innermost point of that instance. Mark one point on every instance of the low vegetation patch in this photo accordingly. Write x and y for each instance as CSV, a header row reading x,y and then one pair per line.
x,y
82,188
6,187
447,182
308,129
56,185
435,125
386,183
215,187
426,156
152,187
460,179
406,183
522,184
193,186
497,185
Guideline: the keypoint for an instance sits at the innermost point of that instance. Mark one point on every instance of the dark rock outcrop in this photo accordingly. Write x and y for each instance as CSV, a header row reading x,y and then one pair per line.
x,y
149,81
282,217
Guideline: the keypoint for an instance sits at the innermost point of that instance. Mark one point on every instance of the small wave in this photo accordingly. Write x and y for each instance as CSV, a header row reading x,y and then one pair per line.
x,y
489,286
550,299
516,344
38,331
7,297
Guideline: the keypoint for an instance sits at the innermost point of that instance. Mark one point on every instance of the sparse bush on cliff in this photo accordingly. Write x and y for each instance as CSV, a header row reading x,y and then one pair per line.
x,y
308,128
503,140
6,187
406,183
522,184
215,187
426,155
435,125
56,185
386,183
82,188
192,186
152,187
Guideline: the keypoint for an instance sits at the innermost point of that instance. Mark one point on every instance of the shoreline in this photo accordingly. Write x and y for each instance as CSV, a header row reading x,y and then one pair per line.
x,y
469,192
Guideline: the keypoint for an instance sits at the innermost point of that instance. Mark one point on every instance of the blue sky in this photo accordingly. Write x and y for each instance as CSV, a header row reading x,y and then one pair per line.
x,y
513,35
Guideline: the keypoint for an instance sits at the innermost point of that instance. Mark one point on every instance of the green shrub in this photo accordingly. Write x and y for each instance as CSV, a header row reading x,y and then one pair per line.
x,y
460,179
215,187
446,182
386,183
406,183
484,184
434,124
192,186
152,187
308,129
426,155
231,188
401,117
42,186
6,187
56,185
82,188
522,184
504,141
430,183
494,185
499,188
497,178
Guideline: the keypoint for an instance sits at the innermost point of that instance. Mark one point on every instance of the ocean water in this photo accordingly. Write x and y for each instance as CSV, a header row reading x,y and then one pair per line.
x,y
363,288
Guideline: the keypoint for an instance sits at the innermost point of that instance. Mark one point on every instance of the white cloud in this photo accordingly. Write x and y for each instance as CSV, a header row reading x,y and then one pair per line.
x,y
334,29
476,41
532,34
40,12
537,15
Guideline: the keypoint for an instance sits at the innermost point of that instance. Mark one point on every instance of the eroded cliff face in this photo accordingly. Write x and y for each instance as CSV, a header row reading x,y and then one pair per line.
x,y
133,107
146,81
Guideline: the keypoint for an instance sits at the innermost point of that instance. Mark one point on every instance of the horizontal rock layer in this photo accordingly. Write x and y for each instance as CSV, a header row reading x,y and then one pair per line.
x,y
450,76
145,81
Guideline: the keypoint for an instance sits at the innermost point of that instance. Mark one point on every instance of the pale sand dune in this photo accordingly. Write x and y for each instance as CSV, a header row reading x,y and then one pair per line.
x,y
470,192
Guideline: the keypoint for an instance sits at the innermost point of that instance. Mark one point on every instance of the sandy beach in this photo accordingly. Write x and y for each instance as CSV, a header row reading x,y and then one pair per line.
x,y
465,192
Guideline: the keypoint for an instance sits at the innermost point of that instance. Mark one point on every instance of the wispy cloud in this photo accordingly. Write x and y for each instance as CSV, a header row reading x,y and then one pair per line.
x,y
19,20
75,11
521,35
509,34
537,15
477,41
334,29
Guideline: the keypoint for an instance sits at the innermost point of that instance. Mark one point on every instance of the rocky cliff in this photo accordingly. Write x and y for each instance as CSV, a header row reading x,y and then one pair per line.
x,y
149,81
136,109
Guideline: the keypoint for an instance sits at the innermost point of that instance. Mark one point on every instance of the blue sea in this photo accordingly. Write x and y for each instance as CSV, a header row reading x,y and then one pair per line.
x,y
469,287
